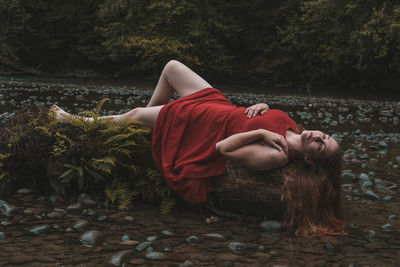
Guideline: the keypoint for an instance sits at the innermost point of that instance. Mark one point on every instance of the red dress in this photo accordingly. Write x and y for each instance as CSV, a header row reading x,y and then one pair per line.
x,y
187,130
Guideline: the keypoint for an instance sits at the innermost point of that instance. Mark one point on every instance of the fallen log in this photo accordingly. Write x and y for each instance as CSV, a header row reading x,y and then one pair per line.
x,y
249,192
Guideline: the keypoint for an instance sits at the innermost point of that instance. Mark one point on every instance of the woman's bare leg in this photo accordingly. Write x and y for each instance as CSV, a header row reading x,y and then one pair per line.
x,y
146,115
176,77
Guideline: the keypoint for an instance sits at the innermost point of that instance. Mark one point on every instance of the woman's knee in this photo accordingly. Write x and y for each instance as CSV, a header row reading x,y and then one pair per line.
x,y
133,114
173,67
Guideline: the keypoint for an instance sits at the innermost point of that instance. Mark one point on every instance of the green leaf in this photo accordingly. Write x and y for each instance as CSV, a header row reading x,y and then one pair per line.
x,y
66,173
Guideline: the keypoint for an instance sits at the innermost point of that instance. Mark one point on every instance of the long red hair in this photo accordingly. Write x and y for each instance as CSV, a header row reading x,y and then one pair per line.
x,y
313,197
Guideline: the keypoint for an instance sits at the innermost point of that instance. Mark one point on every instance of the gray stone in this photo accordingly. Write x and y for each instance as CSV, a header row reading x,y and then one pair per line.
x,y
193,240
125,238
271,226
387,227
363,177
2,235
387,198
75,207
165,232
81,225
5,223
382,144
24,191
91,238
54,214
186,263
217,237
144,245
129,218
237,247
7,209
52,199
40,230
372,195
392,217
367,184
86,200
151,238
88,212
121,257
101,218
156,256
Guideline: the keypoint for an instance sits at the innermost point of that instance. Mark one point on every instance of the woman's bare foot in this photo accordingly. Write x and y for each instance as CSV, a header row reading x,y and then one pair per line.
x,y
59,114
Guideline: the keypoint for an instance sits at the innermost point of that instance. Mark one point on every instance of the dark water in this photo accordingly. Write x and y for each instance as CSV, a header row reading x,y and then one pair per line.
x,y
368,130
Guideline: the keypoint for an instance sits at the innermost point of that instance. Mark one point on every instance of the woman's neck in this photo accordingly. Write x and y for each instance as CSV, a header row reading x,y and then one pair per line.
x,y
294,143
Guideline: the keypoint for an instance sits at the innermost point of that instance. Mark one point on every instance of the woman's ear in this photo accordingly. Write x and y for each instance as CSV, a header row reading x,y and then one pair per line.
x,y
308,161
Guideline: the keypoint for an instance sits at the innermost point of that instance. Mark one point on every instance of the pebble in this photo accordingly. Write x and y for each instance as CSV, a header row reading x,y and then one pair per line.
x,y
125,238
382,144
129,218
91,238
40,230
54,214
371,194
367,184
88,212
121,257
237,247
156,255
193,240
101,218
75,207
217,237
81,225
387,227
86,200
329,246
167,233
392,217
2,235
363,177
24,191
151,238
144,245
387,198
369,234
186,263
271,226
52,199
6,209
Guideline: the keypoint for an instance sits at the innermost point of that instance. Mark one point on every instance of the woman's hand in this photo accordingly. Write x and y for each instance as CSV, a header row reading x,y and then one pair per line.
x,y
252,111
275,140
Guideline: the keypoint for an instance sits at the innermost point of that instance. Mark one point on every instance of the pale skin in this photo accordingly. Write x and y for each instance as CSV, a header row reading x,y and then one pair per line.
x,y
259,149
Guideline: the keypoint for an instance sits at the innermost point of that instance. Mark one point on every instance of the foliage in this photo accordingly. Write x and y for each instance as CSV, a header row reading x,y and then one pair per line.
x,y
303,41
107,156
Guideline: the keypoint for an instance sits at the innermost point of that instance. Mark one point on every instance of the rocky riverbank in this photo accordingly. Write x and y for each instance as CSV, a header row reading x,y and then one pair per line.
x,y
40,230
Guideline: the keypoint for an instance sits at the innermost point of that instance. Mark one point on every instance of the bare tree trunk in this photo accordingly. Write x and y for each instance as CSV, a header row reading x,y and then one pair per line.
x,y
249,192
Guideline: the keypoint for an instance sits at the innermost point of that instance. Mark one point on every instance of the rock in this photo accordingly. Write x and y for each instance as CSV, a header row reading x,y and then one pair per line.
x,y
7,209
369,234
24,191
2,235
129,218
101,218
371,195
329,246
40,230
144,245
125,238
52,199
363,177
186,263
5,223
216,237
81,225
237,247
121,257
91,238
367,184
167,233
75,207
54,214
86,200
88,212
151,238
193,240
156,256
387,227
387,198
392,217
382,144
348,177
271,226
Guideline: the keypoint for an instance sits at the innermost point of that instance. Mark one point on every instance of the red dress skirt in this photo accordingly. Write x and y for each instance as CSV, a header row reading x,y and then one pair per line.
x,y
187,130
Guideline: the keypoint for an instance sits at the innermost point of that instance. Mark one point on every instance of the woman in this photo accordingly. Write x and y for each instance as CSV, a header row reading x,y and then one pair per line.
x,y
192,137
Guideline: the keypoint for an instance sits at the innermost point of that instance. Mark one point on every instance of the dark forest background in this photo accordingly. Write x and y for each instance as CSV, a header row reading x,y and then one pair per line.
x,y
339,43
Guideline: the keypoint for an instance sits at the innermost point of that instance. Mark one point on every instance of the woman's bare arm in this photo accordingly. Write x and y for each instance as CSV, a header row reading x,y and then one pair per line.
x,y
258,149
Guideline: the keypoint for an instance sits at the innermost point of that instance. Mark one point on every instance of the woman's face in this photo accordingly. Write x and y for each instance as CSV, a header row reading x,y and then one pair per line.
x,y
317,145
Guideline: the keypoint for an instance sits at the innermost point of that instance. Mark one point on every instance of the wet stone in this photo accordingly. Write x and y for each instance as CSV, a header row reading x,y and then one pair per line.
x,y
40,230
156,256
2,235
151,238
101,218
271,226
7,209
371,195
216,237
167,233
392,217
54,214
193,240
237,247
387,227
81,225
52,199
89,212
75,207
186,263
129,218
91,238
144,245
125,238
24,191
86,200
121,257
369,234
